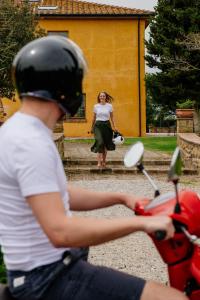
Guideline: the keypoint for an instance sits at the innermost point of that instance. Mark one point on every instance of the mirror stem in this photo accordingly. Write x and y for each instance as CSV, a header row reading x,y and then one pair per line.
x,y
177,208
141,169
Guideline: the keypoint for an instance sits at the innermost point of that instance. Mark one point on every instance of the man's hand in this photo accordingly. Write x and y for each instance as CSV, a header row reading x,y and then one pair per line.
x,y
157,223
151,223
130,201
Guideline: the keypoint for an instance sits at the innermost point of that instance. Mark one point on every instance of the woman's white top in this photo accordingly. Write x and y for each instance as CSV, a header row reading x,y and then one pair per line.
x,y
103,111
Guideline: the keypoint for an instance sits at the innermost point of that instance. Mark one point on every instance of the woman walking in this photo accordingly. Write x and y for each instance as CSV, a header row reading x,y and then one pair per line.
x,y
101,127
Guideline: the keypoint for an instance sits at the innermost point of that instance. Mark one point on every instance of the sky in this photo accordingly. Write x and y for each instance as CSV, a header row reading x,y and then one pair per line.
x,y
142,4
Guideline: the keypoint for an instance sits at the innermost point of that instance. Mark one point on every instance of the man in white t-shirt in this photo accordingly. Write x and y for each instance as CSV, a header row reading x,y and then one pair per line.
x,y
44,246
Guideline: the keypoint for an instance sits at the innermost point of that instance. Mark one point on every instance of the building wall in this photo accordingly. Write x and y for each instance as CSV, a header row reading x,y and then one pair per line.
x,y
111,51
9,107
142,78
1,112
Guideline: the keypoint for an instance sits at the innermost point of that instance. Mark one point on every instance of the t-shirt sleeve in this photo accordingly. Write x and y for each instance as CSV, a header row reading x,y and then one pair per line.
x,y
111,108
35,168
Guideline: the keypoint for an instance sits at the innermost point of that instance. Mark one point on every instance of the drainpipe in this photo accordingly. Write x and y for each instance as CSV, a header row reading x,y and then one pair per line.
x,y
139,82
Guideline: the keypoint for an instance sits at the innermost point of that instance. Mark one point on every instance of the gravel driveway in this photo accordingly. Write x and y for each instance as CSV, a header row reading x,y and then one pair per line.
x,y
134,254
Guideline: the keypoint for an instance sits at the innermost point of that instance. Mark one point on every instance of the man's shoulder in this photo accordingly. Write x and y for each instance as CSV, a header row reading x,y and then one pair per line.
x,y
23,136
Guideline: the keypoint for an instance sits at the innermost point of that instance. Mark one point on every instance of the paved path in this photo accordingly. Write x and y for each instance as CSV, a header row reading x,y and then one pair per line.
x,y
135,253
82,150
80,160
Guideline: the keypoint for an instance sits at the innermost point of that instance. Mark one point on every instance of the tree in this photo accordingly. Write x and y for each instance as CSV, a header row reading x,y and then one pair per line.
x,y
158,115
192,43
173,48
18,26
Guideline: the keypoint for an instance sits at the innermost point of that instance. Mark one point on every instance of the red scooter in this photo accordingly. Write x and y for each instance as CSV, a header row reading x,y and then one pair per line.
x,y
182,252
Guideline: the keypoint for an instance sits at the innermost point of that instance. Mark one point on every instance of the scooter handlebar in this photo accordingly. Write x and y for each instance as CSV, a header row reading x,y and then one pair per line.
x,y
160,235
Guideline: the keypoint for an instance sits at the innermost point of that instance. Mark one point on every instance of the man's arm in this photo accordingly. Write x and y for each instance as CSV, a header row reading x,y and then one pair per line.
x,y
65,231
82,199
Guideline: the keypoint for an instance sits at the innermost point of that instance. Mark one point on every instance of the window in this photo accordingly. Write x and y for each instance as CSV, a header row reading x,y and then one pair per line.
x,y
62,33
47,7
80,116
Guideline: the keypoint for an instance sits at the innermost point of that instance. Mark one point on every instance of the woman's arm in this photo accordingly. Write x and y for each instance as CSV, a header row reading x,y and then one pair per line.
x,y
93,122
112,121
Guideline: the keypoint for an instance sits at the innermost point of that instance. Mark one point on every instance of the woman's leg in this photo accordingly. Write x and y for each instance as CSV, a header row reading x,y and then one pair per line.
x,y
99,159
104,157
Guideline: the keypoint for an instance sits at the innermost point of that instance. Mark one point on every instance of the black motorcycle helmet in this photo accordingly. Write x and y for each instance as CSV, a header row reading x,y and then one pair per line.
x,y
51,68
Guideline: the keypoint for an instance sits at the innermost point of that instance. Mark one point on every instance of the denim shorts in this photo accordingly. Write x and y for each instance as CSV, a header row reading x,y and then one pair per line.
x,y
73,278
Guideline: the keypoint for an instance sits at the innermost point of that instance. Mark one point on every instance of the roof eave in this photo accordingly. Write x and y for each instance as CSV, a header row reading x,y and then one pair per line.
x,y
56,15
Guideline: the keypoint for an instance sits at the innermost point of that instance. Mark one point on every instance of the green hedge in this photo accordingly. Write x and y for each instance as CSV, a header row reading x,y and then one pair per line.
x,y
2,269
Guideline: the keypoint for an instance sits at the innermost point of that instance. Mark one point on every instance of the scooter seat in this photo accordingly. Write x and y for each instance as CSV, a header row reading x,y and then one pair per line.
x,y
4,293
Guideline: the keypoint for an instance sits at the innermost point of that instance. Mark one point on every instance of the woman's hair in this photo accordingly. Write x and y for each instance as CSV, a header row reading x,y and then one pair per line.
x,y
109,98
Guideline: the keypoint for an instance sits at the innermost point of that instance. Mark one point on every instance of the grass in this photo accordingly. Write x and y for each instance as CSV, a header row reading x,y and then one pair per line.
x,y
164,144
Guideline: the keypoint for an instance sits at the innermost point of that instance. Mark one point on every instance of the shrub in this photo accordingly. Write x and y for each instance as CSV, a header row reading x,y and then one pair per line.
x,y
2,269
186,104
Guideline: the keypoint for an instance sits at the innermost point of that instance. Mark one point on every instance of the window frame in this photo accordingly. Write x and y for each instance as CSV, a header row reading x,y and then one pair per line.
x,y
76,118
58,32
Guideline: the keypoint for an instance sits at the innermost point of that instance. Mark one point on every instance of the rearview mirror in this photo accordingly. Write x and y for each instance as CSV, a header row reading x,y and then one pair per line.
x,y
175,166
134,155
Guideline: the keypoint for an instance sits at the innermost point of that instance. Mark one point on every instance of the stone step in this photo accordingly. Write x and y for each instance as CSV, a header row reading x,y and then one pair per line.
x,y
122,170
93,162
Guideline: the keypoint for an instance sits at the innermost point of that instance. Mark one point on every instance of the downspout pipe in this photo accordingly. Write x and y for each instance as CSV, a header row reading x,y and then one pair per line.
x,y
139,81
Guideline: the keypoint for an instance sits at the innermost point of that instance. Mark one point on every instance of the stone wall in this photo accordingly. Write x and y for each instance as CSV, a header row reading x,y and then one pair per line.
x,y
185,125
189,144
169,130
59,141
58,135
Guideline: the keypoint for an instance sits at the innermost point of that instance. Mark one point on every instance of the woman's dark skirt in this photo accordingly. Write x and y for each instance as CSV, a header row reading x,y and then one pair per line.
x,y
103,135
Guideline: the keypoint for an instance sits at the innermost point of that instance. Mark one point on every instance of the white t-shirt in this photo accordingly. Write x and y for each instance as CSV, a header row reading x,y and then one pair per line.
x,y
103,111
29,165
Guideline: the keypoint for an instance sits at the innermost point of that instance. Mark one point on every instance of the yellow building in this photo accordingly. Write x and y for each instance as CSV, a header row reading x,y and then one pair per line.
x,y
112,39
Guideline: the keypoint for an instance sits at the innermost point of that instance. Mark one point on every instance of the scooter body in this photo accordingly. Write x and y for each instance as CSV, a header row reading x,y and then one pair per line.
x,y
182,252
179,253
